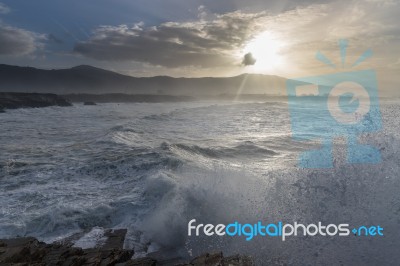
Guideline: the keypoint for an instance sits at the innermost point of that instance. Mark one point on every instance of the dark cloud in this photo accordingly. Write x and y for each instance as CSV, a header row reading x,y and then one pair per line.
x,y
248,60
202,43
220,40
16,41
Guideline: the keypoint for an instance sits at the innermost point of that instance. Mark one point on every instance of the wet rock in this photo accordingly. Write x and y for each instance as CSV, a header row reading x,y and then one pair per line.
x,y
217,259
208,259
140,262
30,251
115,239
12,100
238,260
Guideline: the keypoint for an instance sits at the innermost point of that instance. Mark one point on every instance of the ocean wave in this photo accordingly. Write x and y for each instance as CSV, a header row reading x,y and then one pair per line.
x,y
128,165
152,178
244,150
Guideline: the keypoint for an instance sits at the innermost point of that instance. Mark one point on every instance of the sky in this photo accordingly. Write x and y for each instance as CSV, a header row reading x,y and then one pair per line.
x,y
193,38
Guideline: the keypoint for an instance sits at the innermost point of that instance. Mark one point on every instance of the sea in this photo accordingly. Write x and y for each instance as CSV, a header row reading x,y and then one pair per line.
x,y
152,167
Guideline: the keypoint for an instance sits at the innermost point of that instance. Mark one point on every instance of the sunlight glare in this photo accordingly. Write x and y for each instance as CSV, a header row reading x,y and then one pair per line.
x,y
265,49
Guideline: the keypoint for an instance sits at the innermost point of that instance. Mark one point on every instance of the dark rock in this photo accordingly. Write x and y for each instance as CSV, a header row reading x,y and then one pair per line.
x,y
115,239
207,259
140,262
11,100
166,256
17,250
30,251
107,257
217,259
238,260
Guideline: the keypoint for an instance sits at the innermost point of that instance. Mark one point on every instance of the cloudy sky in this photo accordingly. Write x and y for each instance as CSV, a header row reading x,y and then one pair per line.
x,y
202,38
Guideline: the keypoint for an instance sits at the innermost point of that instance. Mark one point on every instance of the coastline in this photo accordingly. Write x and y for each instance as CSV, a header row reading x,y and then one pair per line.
x,y
13,100
30,251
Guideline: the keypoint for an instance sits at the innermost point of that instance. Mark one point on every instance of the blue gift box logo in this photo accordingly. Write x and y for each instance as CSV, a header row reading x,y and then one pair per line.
x,y
344,104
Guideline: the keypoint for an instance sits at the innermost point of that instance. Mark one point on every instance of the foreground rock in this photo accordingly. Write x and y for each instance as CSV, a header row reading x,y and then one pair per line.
x,y
11,100
30,251
219,259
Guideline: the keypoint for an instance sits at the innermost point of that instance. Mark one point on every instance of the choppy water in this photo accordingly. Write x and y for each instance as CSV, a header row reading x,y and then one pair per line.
x,y
151,168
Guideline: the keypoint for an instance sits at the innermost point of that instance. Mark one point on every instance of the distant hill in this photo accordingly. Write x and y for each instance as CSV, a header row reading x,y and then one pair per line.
x,y
92,80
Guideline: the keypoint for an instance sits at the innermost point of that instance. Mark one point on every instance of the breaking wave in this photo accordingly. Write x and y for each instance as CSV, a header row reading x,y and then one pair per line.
x,y
152,173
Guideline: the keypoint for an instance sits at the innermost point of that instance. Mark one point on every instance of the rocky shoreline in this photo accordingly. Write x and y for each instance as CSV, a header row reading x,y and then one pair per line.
x,y
30,251
13,100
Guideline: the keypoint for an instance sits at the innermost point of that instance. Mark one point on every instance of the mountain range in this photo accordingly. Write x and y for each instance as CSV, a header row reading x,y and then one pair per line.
x,y
86,79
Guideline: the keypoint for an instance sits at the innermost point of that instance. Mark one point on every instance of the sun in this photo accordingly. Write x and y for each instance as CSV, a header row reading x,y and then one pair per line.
x,y
265,48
